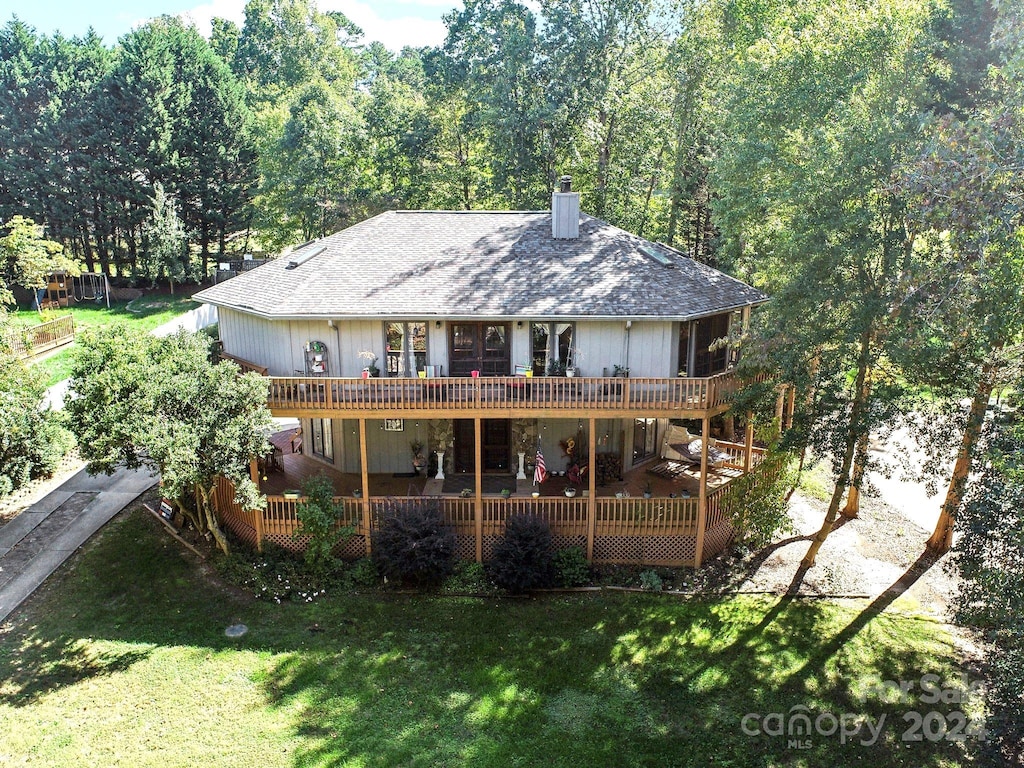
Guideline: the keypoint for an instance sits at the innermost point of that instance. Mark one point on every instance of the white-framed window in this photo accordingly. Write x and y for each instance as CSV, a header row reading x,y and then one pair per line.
x,y
406,348
551,345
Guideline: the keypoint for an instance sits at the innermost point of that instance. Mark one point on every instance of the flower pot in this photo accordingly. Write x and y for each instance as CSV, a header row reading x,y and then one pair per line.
x,y
570,492
535,494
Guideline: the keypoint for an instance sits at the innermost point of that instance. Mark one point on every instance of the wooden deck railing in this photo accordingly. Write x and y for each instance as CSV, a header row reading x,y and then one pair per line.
x,y
639,531
291,395
245,365
31,341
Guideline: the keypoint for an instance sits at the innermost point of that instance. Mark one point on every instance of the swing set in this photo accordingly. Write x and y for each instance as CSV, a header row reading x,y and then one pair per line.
x,y
91,286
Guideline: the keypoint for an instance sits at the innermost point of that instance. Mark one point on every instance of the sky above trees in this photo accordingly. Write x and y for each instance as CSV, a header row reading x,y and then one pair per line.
x,y
395,23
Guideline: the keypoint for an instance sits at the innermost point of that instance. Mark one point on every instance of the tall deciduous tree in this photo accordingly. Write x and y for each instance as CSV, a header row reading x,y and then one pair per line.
x,y
820,115
162,403
969,199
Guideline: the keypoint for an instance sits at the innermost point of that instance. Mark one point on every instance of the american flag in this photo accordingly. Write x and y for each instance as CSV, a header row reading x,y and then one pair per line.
x,y
539,473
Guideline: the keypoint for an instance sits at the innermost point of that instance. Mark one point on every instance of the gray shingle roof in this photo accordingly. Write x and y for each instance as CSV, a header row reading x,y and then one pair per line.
x,y
415,264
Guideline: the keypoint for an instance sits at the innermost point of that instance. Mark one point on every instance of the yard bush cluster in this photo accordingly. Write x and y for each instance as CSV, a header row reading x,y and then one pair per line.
x,y
522,558
413,545
32,441
572,567
278,575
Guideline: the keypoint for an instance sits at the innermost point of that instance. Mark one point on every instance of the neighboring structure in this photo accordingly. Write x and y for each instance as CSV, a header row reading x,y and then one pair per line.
x,y
471,319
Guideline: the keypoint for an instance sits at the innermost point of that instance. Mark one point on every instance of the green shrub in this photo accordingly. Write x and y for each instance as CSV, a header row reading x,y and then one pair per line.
x,y
32,441
651,581
469,576
412,544
522,558
274,575
757,501
320,519
572,567
362,573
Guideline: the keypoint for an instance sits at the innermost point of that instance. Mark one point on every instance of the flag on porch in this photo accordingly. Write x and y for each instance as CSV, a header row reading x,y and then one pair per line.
x,y
539,473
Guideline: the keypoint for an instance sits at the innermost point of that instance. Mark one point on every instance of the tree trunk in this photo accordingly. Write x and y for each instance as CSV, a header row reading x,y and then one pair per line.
x,y
860,465
852,436
209,516
942,538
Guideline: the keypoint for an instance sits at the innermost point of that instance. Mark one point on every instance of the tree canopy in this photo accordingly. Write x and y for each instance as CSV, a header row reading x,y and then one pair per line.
x,y
161,402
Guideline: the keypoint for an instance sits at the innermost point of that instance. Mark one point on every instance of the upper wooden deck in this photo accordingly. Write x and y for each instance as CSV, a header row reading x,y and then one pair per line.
x,y
500,397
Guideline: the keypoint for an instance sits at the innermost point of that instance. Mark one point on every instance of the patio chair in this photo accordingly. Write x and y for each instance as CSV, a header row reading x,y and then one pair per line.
x,y
680,445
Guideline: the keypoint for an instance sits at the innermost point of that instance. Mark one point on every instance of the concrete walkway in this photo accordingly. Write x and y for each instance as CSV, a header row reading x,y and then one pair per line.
x,y
35,543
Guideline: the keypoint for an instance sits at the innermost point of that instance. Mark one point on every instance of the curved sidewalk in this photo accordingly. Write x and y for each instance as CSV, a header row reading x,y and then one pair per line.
x,y
35,543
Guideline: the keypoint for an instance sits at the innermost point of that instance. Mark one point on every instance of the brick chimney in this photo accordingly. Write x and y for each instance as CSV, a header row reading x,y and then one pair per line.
x,y
565,211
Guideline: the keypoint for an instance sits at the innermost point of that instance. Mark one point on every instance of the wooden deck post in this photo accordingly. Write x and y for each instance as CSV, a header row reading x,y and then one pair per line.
x,y
702,498
592,485
478,504
748,443
254,471
364,470
258,524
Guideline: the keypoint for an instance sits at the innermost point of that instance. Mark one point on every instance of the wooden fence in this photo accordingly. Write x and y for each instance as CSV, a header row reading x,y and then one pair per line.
x,y
498,393
633,531
40,338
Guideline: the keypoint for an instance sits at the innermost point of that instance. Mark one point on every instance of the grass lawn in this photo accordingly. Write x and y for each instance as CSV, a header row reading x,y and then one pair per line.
x,y
145,313
123,660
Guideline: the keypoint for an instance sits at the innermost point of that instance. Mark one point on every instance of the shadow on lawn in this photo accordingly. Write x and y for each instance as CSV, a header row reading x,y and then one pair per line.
x,y
544,683
569,680
43,666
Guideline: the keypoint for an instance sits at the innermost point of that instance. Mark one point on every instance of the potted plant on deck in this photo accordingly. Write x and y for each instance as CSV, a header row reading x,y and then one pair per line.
x,y
419,460
370,370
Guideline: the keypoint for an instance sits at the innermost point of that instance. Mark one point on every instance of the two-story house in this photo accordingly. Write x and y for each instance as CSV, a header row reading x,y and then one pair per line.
x,y
455,329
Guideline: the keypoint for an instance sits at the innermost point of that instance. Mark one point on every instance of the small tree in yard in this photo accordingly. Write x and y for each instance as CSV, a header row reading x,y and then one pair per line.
x,y
319,519
165,240
26,257
161,402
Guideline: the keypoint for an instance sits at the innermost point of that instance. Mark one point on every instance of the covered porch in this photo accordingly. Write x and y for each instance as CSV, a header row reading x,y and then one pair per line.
x,y
640,519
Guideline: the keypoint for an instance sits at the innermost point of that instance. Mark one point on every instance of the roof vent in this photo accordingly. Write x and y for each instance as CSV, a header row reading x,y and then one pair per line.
x,y
658,256
565,211
299,259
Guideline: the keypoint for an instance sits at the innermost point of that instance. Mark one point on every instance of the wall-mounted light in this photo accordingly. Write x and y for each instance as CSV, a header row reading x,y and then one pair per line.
x,y
437,323
519,324
629,323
